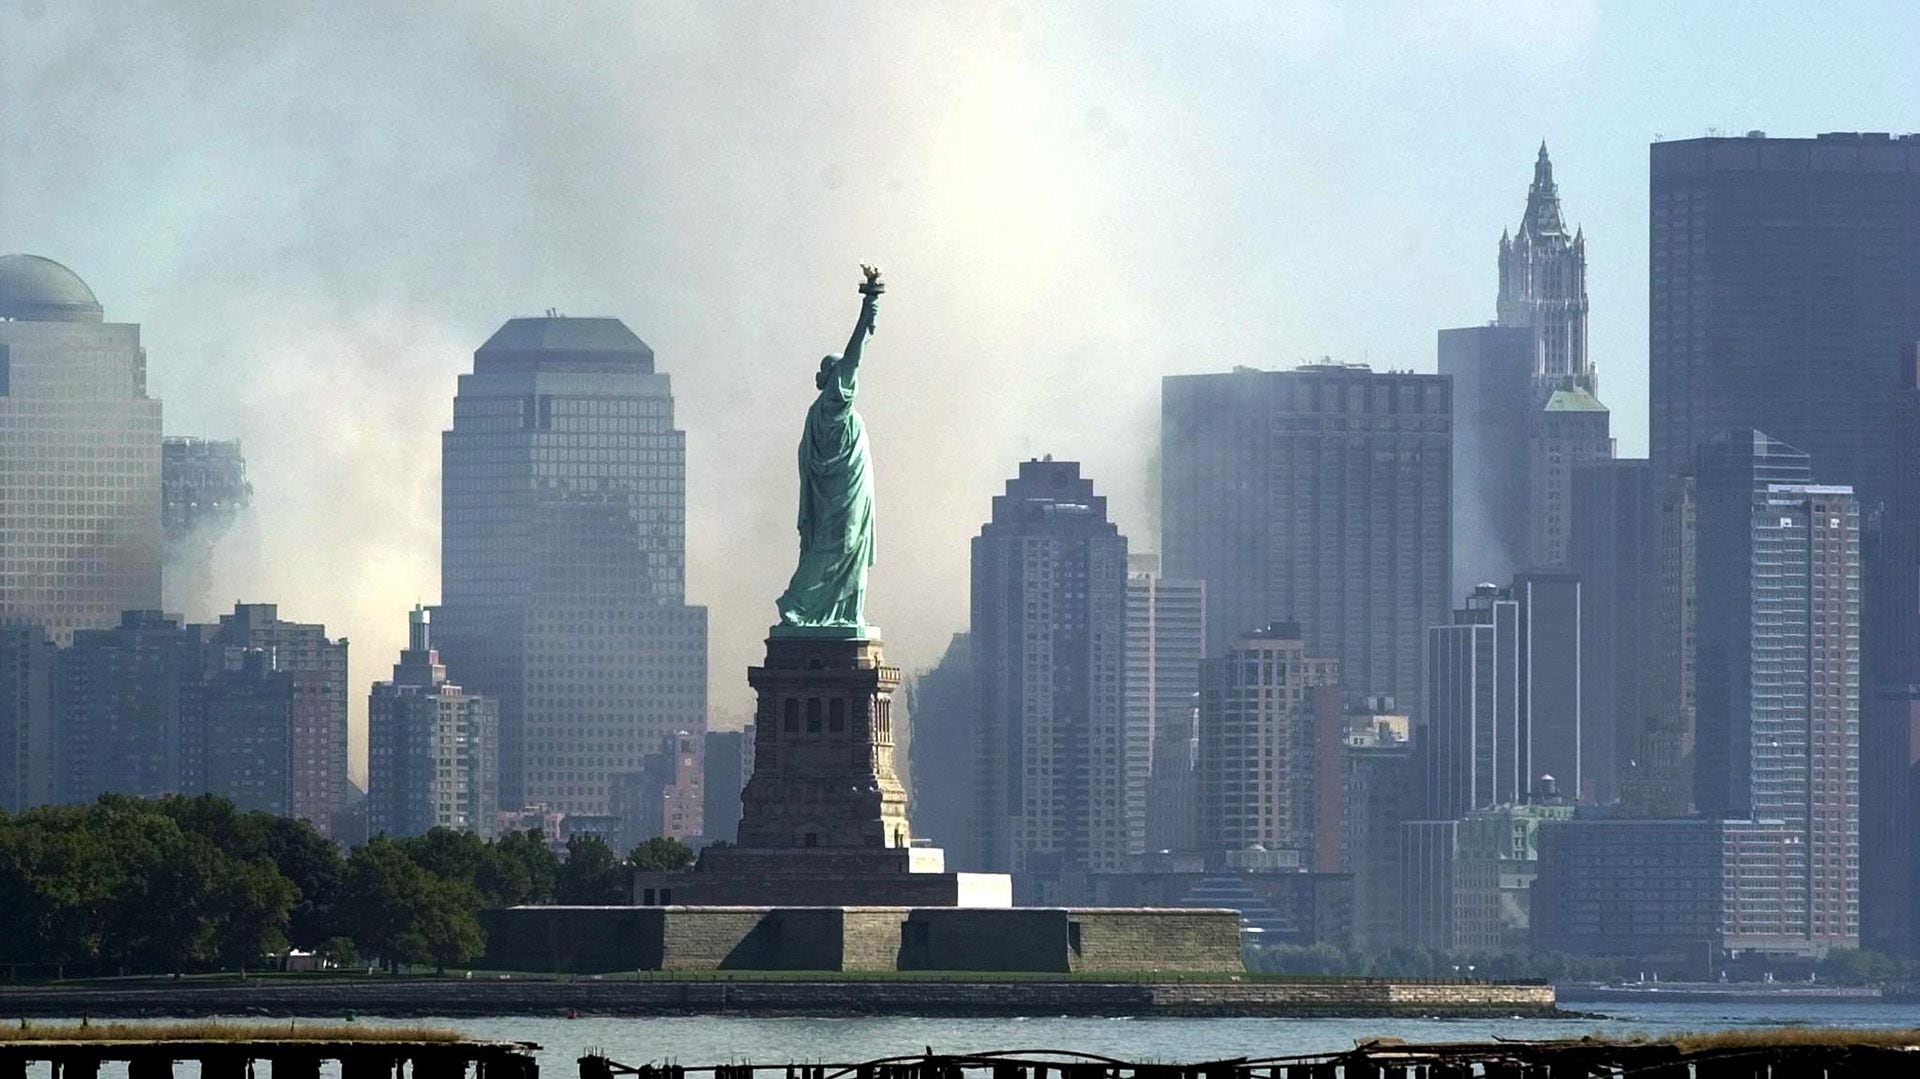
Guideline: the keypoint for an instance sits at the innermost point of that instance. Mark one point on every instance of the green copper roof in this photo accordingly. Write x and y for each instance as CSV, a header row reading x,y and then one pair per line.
x,y
1573,400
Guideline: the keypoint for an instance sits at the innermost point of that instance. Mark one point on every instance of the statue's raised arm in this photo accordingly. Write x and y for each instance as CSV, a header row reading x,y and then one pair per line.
x,y
828,592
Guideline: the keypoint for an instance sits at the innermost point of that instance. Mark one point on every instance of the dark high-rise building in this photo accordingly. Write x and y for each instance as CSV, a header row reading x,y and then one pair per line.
x,y
1320,495
1166,638
728,764
1049,657
1615,553
1381,789
79,457
125,709
563,554
1272,731
27,658
243,720
941,711
317,741
1783,279
1505,715
1890,705
433,749
203,491
1778,693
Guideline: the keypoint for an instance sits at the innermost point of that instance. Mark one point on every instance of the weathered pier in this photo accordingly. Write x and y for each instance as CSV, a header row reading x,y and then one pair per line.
x,y
154,1057
1783,1054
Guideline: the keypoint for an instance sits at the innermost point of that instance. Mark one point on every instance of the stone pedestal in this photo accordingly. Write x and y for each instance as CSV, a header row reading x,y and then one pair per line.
x,y
823,749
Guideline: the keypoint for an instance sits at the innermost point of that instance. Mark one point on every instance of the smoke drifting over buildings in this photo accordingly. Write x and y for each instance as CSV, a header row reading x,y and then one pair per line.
x,y
315,216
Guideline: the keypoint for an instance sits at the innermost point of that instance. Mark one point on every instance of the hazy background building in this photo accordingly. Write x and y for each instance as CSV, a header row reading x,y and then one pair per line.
x,y
1166,638
1320,495
1493,396
203,492
563,558
726,765
1890,703
1614,552
433,749
242,722
1049,656
1382,791
27,663
1543,286
123,701
942,761
79,456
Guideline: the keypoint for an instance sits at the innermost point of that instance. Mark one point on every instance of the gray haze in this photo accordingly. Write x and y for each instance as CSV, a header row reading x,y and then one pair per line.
x,y
317,212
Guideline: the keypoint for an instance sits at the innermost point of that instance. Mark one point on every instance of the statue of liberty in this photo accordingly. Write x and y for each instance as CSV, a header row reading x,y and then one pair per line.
x,y
828,593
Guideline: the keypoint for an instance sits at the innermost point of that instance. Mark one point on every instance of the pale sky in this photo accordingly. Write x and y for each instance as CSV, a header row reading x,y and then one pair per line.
x,y
317,212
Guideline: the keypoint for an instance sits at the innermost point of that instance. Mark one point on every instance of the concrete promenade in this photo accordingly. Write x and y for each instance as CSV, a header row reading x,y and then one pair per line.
x,y
407,998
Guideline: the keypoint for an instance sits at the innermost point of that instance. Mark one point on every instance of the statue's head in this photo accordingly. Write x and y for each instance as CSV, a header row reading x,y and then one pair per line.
x,y
826,372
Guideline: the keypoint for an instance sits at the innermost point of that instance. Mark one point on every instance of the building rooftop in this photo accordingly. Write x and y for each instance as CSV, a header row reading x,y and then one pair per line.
x,y
1574,399
35,289
554,339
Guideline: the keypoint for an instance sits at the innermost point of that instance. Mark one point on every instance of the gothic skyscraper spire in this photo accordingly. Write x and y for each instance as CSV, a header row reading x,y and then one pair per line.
x,y
1543,285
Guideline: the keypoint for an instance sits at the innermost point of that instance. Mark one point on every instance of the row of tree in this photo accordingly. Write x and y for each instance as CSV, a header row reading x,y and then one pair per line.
x,y
168,885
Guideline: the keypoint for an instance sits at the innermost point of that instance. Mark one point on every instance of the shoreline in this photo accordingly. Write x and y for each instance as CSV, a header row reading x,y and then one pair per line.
x,y
838,998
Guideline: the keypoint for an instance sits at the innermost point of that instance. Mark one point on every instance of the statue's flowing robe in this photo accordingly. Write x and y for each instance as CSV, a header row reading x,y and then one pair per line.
x,y
829,587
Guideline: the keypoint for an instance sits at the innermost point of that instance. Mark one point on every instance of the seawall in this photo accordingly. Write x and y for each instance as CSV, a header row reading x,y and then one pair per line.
x,y
409,998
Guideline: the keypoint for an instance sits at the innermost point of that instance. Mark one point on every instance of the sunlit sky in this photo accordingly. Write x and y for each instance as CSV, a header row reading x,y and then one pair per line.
x,y
317,212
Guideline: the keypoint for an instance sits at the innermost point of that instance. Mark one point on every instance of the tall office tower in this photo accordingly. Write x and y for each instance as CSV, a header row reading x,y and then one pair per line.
x,y
1272,729
1662,778
1505,714
79,457
727,764
1890,706
1778,641
124,717
1614,553
1543,286
203,491
1783,280
1524,390
1320,495
243,721
317,762
563,558
1166,637
940,709
1493,396
1049,656
433,749
27,658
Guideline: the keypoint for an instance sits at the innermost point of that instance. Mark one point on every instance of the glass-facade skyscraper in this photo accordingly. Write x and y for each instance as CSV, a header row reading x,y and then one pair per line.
x,y
563,558
79,457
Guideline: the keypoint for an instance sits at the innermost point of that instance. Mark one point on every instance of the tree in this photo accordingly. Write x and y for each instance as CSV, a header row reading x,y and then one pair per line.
x,y
592,876
520,869
661,854
401,913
